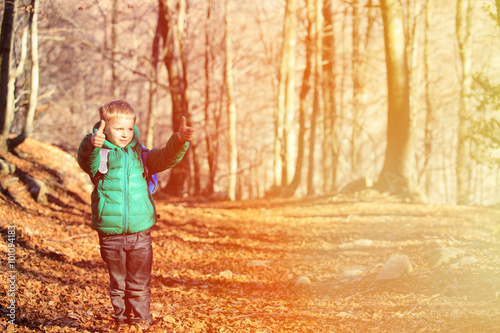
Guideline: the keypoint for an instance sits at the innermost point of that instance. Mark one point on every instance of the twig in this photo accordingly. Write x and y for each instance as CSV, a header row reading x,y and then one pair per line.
x,y
422,301
361,292
258,314
78,236
276,313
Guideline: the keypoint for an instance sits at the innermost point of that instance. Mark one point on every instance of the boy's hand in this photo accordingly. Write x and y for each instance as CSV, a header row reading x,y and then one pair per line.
x,y
185,133
97,139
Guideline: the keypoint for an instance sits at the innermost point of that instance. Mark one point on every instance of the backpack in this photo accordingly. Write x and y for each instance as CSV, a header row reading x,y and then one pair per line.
x,y
151,179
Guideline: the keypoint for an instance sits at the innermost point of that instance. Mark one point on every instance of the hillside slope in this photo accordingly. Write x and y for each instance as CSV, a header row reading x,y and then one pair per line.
x,y
324,264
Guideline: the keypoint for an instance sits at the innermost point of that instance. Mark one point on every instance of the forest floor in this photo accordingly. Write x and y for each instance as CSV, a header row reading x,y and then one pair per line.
x,y
313,265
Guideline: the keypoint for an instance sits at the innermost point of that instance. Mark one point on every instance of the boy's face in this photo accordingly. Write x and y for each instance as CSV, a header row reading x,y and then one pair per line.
x,y
120,131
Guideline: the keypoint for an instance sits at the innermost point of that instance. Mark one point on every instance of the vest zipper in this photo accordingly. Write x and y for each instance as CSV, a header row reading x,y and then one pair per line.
x,y
125,194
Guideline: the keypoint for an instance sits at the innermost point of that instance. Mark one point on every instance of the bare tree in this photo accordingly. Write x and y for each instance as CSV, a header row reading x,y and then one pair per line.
x,y
231,108
172,13
318,62
286,91
330,151
153,81
115,88
212,119
33,75
429,117
497,3
279,117
357,87
6,42
10,107
303,102
394,176
34,71
463,25
360,43
289,136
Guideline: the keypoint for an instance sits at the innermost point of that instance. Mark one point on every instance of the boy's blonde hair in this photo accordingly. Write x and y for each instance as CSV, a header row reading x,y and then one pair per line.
x,y
116,108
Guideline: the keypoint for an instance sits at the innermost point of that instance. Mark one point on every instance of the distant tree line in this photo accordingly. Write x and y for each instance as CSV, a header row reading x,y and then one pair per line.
x,y
293,98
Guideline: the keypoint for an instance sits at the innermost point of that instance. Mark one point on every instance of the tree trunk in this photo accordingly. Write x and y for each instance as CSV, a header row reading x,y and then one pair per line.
x,y
196,177
289,135
359,70
174,61
6,43
394,176
463,24
11,88
115,91
497,3
414,17
318,62
312,140
330,153
429,117
210,138
357,89
33,99
34,79
231,108
182,27
304,91
279,148
153,83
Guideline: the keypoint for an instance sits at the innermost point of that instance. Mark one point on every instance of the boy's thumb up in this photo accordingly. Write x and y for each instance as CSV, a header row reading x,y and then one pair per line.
x,y
183,124
185,132
97,139
101,127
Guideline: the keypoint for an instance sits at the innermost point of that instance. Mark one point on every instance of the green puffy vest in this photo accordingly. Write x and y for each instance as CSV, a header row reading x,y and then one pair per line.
x,y
121,202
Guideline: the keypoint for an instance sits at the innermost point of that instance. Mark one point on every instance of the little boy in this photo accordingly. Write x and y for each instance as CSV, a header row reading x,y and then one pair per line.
x,y
123,210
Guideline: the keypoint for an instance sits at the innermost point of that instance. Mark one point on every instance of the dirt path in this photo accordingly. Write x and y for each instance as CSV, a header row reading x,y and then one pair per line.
x,y
235,267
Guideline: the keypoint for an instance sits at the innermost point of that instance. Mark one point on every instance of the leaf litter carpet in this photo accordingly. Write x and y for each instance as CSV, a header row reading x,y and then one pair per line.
x,y
252,266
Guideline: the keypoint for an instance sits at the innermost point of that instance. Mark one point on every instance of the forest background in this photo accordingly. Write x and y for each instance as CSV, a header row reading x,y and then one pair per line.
x,y
289,98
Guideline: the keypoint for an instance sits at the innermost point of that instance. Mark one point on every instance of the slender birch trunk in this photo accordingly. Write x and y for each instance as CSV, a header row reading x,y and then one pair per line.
x,y
231,108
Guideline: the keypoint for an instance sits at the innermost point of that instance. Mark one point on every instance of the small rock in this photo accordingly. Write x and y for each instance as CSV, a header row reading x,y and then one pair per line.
x,y
356,244
227,274
465,261
396,267
299,282
352,273
468,261
37,188
6,168
259,263
444,255
343,314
